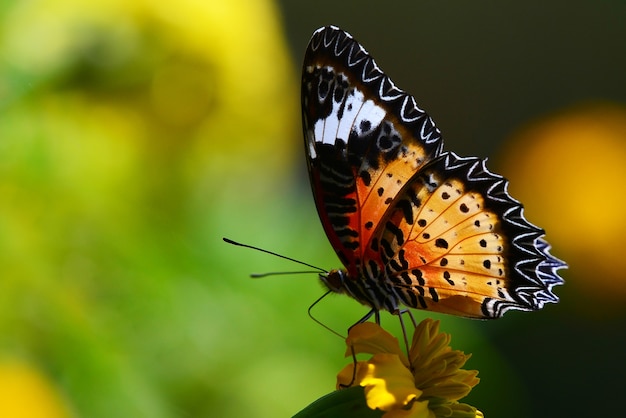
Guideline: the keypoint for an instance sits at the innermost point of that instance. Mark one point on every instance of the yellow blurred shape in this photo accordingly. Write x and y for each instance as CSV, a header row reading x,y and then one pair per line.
x,y
211,78
570,172
26,393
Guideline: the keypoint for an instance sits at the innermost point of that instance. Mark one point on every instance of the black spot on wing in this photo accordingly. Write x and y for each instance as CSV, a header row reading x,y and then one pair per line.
x,y
441,243
397,232
407,210
365,177
433,294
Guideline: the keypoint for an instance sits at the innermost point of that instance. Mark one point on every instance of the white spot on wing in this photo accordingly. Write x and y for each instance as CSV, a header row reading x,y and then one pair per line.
x,y
310,137
331,125
371,113
319,130
353,105
358,114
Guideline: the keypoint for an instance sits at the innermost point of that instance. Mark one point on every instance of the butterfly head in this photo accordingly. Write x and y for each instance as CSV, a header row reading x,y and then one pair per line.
x,y
335,280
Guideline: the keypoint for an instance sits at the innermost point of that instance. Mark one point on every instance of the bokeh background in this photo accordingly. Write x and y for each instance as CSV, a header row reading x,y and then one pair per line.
x,y
134,135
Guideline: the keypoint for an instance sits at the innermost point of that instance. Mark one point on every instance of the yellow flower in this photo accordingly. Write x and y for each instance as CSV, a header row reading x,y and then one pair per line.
x,y
427,384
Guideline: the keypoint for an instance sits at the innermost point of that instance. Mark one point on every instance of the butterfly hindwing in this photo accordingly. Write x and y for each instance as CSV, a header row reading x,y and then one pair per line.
x,y
454,241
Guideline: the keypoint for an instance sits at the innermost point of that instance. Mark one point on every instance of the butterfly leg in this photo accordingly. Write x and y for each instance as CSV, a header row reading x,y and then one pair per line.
x,y
367,316
354,364
408,312
404,334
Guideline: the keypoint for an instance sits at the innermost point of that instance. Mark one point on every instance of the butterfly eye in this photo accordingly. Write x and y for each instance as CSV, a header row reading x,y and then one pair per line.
x,y
334,280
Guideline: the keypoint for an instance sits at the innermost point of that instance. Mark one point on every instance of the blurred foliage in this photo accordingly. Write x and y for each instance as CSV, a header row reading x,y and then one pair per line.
x,y
129,132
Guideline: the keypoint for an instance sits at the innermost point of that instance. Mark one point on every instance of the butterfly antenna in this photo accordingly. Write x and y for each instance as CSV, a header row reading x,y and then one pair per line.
x,y
278,273
317,269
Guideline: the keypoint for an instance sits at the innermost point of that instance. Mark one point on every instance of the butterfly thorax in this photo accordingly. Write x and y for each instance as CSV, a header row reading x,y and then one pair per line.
x,y
370,291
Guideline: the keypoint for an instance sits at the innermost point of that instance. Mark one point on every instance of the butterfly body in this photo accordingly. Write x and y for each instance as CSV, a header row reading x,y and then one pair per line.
x,y
412,225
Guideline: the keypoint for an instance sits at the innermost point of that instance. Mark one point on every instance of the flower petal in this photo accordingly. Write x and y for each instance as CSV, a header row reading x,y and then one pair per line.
x,y
436,367
368,337
455,410
347,377
388,383
419,409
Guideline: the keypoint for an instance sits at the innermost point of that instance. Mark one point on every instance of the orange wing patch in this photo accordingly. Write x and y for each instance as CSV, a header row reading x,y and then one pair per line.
x,y
384,184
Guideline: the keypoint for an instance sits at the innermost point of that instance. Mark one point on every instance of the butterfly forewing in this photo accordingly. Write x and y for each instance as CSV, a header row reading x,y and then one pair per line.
x,y
412,225
364,139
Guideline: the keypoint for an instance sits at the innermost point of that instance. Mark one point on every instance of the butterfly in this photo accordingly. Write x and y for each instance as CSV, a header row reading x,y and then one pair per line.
x,y
414,226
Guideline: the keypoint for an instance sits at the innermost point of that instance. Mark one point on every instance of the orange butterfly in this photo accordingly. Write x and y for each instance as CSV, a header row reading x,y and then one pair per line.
x,y
413,225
